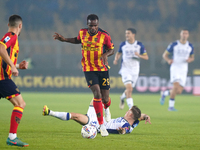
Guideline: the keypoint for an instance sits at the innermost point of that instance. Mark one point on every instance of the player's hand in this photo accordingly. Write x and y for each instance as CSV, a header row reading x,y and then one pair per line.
x,y
147,119
121,130
23,65
115,62
170,61
58,37
137,54
14,71
189,60
105,59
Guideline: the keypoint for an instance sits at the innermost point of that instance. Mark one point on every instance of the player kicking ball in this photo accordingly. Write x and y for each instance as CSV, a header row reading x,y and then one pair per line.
x,y
120,125
183,53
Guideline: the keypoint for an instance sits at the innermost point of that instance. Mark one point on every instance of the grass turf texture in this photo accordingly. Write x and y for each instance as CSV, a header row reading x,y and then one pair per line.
x,y
169,130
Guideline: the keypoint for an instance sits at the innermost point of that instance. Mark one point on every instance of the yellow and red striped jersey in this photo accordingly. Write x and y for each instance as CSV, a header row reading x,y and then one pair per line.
x,y
92,49
10,41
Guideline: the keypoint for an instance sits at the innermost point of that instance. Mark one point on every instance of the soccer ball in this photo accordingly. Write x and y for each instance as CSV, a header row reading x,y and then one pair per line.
x,y
89,132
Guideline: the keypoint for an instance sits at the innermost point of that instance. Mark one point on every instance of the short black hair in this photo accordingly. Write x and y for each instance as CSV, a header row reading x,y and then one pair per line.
x,y
136,112
14,20
132,30
92,17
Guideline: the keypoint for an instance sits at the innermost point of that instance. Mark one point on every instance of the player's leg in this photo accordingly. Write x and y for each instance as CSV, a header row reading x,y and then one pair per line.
x,y
93,83
127,80
129,90
163,95
106,103
9,90
123,96
104,84
173,93
97,103
178,84
80,118
182,82
122,100
173,77
129,98
19,105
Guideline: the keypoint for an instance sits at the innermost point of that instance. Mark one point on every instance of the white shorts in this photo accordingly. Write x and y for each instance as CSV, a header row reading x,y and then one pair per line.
x,y
129,78
178,76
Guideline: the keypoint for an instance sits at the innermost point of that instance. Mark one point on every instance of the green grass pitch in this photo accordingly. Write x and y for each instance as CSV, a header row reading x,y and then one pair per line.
x,y
169,130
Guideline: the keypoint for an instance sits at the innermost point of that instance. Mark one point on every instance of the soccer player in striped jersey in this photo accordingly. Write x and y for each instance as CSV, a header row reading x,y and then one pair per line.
x,y
183,53
9,49
96,47
120,125
131,51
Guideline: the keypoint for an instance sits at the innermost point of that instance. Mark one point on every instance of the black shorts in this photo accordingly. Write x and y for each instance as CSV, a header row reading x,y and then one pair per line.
x,y
8,89
98,77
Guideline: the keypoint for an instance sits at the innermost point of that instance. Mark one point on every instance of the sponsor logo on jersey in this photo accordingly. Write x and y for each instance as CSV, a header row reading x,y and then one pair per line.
x,y
95,39
86,48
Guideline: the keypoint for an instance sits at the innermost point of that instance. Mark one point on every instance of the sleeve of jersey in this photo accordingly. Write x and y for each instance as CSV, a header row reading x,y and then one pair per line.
x,y
192,51
109,43
130,129
170,48
120,47
127,128
142,50
8,40
78,37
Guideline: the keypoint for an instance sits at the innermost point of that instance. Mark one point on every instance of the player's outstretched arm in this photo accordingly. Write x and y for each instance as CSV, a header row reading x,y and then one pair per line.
x,y
146,118
6,58
59,37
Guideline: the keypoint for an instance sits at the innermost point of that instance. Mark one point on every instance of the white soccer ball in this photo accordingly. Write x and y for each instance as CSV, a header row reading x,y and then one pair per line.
x,y
89,132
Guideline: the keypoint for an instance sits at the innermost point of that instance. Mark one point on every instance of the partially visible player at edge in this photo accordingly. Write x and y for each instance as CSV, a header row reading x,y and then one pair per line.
x,y
131,51
9,49
96,47
183,53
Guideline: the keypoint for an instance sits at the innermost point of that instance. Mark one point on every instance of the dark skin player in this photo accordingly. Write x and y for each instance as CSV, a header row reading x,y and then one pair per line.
x,y
93,26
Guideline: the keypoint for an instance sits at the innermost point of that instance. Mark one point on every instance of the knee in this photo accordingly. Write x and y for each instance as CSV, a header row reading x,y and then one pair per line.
x,y
129,89
176,90
179,91
97,94
105,99
22,104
